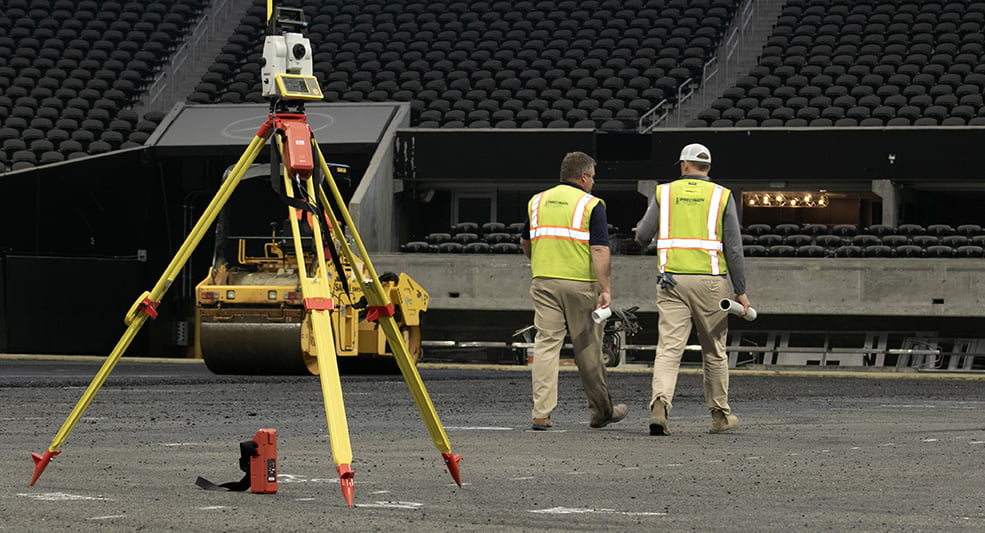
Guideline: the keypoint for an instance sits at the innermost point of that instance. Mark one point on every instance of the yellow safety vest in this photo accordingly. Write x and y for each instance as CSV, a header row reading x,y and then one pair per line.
x,y
559,233
689,240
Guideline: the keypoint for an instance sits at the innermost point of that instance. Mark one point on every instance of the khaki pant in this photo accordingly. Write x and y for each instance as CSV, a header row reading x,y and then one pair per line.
x,y
565,306
694,300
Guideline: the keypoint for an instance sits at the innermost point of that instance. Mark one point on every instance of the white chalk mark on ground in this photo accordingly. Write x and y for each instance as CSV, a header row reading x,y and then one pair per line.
x,y
62,497
929,440
478,428
379,492
108,517
522,478
214,507
304,499
413,506
574,510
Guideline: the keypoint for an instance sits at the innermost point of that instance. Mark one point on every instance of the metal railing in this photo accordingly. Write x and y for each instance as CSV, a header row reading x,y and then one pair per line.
x,y
186,59
717,73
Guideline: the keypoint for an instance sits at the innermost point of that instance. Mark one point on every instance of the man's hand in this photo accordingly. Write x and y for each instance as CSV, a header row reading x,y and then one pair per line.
x,y
744,300
604,300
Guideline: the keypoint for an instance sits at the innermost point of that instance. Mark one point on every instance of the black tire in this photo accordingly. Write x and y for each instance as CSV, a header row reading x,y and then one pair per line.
x,y
611,346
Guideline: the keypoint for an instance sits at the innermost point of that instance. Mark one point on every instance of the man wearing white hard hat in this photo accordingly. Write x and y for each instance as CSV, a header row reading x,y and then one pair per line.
x,y
699,263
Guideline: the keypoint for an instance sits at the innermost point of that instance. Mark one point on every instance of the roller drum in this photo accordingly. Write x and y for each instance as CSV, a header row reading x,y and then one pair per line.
x,y
250,348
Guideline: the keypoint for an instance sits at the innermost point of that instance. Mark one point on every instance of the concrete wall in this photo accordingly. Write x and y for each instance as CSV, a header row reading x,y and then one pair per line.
x,y
801,286
372,206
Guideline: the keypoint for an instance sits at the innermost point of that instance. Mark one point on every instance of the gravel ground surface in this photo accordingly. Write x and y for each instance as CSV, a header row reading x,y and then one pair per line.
x,y
815,452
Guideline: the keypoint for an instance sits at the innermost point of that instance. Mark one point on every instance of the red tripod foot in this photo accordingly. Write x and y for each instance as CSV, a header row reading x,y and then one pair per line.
x,y
345,480
452,462
40,462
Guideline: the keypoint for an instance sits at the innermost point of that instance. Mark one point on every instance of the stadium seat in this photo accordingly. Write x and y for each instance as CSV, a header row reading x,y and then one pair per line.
x,y
894,241
465,237
970,251
417,247
880,230
829,241
786,229
814,229
848,251
781,250
769,239
969,230
865,240
438,238
451,248
798,239
757,229
877,250
908,250
752,250
811,250
940,230
938,250
477,248
911,229
924,241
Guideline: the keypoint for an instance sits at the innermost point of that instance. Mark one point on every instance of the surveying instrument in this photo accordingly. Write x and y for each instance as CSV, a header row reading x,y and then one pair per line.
x,y
288,82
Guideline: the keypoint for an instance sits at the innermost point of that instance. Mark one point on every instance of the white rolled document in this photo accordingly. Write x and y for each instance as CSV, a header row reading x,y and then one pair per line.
x,y
601,314
734,307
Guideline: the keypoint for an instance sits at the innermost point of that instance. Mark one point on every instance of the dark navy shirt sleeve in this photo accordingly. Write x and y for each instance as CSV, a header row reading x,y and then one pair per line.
x,y
599,226
525,235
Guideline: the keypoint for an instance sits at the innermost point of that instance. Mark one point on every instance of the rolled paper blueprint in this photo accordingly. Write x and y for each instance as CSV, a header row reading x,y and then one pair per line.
x,y
601,314
734,307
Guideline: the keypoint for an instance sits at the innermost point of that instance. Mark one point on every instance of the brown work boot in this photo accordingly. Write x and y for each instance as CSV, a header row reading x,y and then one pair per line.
x,y
618,413
658,419
542,424
721,422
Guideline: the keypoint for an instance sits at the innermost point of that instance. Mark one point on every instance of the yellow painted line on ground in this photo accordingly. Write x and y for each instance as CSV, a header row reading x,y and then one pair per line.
x,y
889,373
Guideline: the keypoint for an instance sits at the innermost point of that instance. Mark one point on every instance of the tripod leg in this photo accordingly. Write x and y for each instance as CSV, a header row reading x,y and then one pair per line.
x,y
318,303
378,298
146,304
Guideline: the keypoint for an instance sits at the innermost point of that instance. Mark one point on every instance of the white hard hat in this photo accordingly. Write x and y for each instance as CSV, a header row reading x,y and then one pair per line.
x,y
696,152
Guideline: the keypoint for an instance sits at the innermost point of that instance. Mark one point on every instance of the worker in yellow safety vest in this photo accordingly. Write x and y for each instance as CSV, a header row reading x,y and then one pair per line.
x,y
699,252
566,238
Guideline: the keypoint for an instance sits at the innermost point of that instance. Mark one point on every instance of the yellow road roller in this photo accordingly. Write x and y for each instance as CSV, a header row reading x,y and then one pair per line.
x,y
250,317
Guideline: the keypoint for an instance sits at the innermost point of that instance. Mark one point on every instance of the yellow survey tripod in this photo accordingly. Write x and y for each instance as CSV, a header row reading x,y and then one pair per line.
x,y
288,126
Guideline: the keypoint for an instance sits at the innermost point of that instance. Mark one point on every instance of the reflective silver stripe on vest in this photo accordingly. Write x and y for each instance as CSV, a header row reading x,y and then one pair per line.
x,y
534,209
578,217
664,227
690,244
713,207
558,232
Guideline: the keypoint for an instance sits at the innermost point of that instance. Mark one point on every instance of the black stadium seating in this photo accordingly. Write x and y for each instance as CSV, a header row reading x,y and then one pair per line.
x,y
547,63
71,72
867,63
